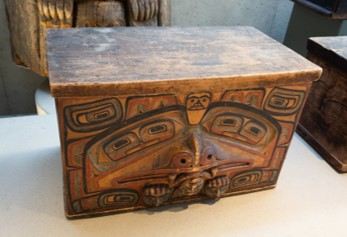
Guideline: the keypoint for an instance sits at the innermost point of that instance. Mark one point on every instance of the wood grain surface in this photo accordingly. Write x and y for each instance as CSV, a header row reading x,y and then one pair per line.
x,y
323,123
118,61
24,26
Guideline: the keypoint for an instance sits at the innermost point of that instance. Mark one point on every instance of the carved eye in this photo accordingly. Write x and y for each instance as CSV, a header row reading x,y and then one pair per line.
x,y
277,101
226,124
101,115
280,102
95,115
229,122
121,146
121,143
238,127
245,179
159,131
284,101
253,131
121,197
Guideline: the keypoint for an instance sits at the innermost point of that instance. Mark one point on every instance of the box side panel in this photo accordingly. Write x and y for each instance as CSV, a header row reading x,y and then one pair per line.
x,y
323,125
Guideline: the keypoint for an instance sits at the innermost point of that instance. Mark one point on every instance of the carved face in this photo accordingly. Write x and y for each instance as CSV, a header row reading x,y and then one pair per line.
x,y
162,147
148,150
196,104
191,186
198,101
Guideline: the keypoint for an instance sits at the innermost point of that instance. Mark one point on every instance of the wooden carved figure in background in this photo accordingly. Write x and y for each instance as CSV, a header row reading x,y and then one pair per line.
x,y
29,19
183,114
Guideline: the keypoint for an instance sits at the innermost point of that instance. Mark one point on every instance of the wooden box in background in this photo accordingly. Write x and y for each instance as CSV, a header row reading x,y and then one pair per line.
x,y
334,9
324,123
152,116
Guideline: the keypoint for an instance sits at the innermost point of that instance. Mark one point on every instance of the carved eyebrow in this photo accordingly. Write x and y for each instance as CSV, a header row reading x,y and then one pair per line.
x,y
196,97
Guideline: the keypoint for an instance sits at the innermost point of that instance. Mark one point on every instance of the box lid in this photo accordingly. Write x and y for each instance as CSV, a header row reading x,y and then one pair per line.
x,y
144,60
332,49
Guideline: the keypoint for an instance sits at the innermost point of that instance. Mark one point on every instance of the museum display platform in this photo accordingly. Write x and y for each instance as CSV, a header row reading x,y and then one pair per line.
x,y
310,199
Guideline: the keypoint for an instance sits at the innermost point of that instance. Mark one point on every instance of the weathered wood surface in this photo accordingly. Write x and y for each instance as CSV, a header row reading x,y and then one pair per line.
x,y
323,123
29,19
334,9
115,61
331,49
24,27
156,117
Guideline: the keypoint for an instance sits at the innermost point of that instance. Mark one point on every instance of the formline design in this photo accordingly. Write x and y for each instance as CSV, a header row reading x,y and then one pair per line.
x,y
125,153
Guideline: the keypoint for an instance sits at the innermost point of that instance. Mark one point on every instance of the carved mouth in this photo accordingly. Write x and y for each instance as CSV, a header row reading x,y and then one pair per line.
x,y
172,174
233,165
197,106
143,177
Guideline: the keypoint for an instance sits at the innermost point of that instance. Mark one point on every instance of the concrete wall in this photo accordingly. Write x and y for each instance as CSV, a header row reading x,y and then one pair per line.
x,y
17,85
305,23
269,16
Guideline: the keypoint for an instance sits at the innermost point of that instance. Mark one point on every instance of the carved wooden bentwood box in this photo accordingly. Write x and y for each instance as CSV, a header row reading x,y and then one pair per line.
x,y
154,116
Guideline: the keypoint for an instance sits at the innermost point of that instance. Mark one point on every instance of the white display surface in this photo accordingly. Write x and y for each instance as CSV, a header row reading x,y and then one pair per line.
x,y
310,198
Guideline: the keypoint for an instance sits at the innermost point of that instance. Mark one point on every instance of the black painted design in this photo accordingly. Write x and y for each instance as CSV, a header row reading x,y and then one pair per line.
x,y
93,116
284,102
245,179
119,198
169,147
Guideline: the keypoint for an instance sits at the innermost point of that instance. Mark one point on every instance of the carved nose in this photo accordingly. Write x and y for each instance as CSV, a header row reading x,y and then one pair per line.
x,y
194,154
195,146
190,155
202,154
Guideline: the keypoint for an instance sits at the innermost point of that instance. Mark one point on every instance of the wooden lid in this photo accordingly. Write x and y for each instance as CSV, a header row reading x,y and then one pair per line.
x,y
332,49
123,61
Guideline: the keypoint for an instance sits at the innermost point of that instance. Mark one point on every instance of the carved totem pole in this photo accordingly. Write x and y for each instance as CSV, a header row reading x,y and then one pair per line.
x,y
29,19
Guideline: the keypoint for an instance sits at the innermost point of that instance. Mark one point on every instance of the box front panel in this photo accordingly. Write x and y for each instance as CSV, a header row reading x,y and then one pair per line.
x,y
130,152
